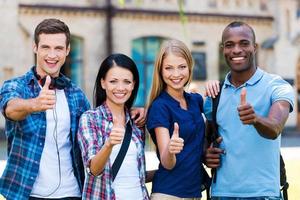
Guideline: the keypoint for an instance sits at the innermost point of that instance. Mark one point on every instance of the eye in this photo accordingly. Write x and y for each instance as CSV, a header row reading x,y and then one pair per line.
x,y
182,66
113,81
245,43
44,47
59,48
229,45
167,68
127,82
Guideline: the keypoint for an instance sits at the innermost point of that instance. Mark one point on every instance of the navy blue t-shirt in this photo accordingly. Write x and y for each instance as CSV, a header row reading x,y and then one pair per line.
x,y
184,180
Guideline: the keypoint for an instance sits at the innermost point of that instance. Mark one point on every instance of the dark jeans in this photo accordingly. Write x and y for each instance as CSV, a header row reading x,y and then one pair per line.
x,y
65,198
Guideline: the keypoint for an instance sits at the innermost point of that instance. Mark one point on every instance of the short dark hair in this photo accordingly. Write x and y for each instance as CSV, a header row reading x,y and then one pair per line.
x,y
122,61
239,24
51,26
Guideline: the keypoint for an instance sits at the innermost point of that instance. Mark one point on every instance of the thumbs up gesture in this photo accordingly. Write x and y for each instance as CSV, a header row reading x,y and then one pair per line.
x,y
245,110
176,143
46,99
117,133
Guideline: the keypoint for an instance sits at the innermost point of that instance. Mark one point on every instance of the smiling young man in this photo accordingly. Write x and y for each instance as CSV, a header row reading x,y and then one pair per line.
x,y
42,110
253,108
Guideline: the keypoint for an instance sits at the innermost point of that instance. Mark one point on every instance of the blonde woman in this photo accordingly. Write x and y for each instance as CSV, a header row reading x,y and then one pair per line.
x,y
176,125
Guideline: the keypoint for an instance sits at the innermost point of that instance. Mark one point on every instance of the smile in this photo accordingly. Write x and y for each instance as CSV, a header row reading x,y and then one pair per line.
x,y
119,95
238,58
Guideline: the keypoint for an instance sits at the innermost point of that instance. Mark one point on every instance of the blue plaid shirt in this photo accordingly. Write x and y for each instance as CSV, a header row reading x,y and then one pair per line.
x,y
26,138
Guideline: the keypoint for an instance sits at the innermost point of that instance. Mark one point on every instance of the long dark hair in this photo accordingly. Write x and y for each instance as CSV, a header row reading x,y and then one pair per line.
x,y
122,61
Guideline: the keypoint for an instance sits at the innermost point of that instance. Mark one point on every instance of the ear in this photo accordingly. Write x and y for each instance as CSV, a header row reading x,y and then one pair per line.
x,y
255,47
68,49
133,85
221,46
103,84
34,47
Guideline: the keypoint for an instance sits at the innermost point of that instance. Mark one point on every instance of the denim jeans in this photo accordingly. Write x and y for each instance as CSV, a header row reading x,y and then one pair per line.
x,y
246,198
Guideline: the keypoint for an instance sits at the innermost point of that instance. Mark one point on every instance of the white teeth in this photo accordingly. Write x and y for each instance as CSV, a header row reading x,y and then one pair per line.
x,y
176,80
119,95
51,62
237,58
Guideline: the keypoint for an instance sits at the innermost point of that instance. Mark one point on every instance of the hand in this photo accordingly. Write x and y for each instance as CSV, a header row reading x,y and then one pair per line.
x,y
212,88
246,111
139,116
176,143
212,155
117,133
46,99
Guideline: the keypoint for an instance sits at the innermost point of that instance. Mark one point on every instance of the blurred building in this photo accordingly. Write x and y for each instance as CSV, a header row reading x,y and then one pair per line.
x,y
137,28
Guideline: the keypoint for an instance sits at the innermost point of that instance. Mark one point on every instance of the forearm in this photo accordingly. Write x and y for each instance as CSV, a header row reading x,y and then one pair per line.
x,y
99,161
167,159
18,109
269,128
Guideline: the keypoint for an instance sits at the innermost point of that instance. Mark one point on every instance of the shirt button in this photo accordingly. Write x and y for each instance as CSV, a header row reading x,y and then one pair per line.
x,y
31,178
41,144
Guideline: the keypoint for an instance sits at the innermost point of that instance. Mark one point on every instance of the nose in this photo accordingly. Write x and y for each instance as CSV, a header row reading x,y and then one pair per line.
x,y
176,72
120,87
52,53
237,49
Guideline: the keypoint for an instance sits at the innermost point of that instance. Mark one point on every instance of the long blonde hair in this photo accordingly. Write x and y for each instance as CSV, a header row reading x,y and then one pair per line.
x,y
177,48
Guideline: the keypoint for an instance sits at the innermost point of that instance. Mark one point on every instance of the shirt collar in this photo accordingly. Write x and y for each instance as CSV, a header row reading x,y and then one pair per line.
x,y
173,101
106,112
253,80
30,78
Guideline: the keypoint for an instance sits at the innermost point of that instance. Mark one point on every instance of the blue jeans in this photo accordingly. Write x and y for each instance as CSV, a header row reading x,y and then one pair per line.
x,y
246,198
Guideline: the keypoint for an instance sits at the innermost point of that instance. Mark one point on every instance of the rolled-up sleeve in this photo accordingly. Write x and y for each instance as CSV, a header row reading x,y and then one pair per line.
x,y
87,138
283,91
11,89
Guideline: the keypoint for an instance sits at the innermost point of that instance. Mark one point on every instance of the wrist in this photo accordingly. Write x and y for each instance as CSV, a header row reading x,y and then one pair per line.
x,y
108,144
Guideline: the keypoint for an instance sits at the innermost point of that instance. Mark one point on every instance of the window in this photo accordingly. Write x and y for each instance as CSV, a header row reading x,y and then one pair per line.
x,y
199,70
73,67
144,52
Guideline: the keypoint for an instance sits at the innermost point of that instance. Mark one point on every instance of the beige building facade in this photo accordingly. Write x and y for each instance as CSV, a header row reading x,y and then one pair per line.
x,y
137,28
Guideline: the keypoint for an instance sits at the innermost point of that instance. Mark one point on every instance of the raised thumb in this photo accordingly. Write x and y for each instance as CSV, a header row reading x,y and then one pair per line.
x,y
243,96
176,130
47,82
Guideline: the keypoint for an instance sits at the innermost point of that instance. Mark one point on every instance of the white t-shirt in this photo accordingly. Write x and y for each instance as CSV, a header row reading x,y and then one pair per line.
x,y
51,182
127,185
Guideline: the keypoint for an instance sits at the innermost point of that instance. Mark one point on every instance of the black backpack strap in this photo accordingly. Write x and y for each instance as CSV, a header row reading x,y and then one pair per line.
x,y
215,132
283,182
123,150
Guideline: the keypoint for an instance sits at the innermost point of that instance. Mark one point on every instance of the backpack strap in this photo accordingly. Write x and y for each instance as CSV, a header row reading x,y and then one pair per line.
x,y
215,133
283,182
123,150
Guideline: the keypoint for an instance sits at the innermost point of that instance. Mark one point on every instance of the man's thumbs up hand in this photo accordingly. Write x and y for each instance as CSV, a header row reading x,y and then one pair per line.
x,y
47,83
246,112
46,99
176,143
243,96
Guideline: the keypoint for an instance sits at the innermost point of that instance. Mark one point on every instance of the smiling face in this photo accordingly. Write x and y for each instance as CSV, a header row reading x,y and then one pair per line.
x,y
239,48
51,52
118,85
175,72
